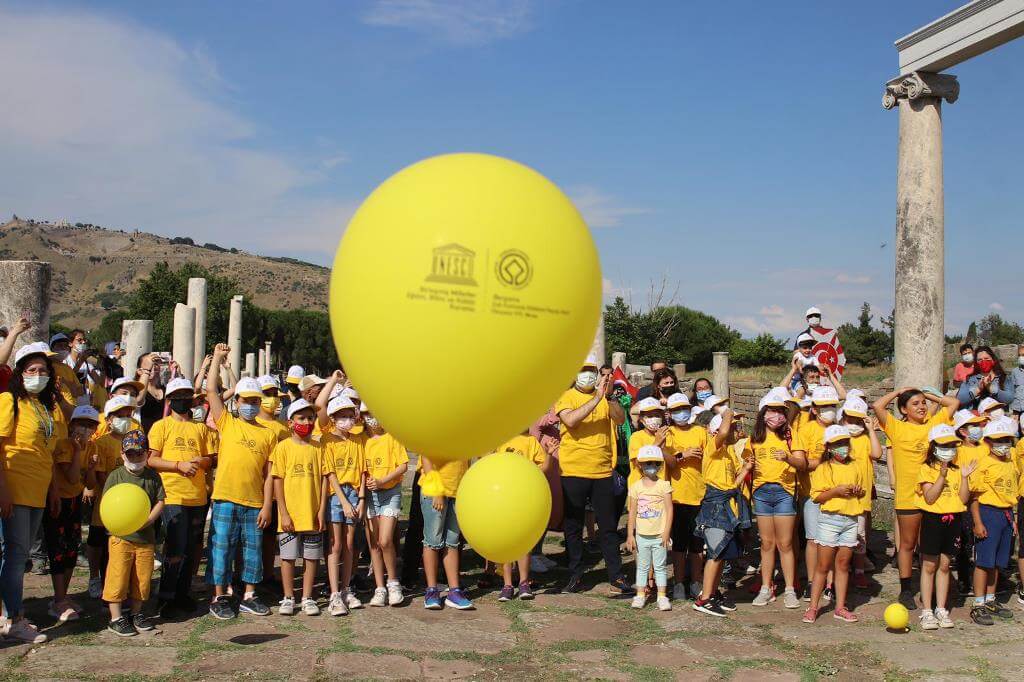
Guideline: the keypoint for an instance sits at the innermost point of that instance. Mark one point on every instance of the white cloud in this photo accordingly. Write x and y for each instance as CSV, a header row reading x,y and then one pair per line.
x,y
116,124
610,290
844,278
998,307
457,22
773,311
600,209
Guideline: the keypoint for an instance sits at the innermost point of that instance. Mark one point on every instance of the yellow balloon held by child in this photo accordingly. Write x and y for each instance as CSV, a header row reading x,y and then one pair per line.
x,y
124,509
503,505
469,283
896,617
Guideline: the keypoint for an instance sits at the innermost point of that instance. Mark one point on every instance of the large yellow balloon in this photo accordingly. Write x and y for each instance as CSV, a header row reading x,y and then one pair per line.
x,y
464,298
896,617
503,505
124,509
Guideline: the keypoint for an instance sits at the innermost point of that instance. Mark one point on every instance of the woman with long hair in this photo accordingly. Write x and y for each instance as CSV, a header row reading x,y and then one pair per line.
x,y
987,379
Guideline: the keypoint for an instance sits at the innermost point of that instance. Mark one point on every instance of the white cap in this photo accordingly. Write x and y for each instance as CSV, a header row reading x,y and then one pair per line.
x,y
269,381
363,408
592,361
351,394
300,404
804,337
964,417
776,397
1000,428
650,453
714,401
86,412
824,395
813,310
856,393
715,424
179,384
125,381
943,434
855,407
37,348
836,432
118,402
988,404
58,337
336,391
248,387
295,374
649,404
694,413
340,403
676,401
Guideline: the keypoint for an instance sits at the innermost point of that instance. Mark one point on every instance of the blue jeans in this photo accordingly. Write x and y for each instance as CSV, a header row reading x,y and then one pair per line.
x,y
650,552
771,499
16,536
183,527
440,528
337,511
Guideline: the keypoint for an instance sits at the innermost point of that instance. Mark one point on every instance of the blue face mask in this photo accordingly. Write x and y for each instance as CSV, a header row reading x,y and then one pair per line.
x,y
651,470
681,417
248,412
704,395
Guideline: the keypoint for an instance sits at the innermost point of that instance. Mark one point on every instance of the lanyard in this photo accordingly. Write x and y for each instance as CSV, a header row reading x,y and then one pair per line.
x,y
45,425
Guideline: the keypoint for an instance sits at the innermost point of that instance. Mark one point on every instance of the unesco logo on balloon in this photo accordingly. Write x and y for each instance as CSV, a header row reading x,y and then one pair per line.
x,y
514,269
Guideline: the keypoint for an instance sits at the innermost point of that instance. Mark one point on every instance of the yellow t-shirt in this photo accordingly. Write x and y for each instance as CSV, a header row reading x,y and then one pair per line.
x,y
344,456
650,506
244,450
68,378
767,469
63,455
994,482
525,445
637,440
948,501
909,442
1018,458
30,440
810,438
967,453
686,477
108,451
99,397
831,474
182,441
719,467
301,467
860,453
384,454
451,474
585,450
279,429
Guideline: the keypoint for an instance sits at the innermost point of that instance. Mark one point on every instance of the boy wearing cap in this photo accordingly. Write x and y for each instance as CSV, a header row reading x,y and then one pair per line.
x,y
654,431
242,492
865,449
649,529
181,451
684,449
130,567
298,470
270,405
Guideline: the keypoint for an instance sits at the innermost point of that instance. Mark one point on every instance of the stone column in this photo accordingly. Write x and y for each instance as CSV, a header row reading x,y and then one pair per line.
x,y
136,341
262,362
25,290
720,373
920,225
267,359
197,300
250,364
597,348
183,346
235,335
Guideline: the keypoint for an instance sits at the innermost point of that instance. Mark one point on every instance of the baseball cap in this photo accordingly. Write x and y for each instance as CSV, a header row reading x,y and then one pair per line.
x,y
118,402
804,338
824,395
30,349
649,405
813,310
591,361
714,401
855,407
295,374
340,403
248,388
836,433
776,397
715,423
988,404
676,401
269,381
134,441
695,411
857,393
126,381
86,412
650,453
964,417
363,408
1000,428
57,338
351,393
943,434
309,381
297,406
179,384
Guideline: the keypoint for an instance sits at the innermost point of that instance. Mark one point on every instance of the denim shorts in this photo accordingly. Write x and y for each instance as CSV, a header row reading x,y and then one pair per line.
x,y
811,512
836,530
337,513
384,502
771,499
440,528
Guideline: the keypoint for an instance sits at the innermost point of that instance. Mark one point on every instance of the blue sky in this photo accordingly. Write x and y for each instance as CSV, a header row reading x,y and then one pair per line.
x,y
739,150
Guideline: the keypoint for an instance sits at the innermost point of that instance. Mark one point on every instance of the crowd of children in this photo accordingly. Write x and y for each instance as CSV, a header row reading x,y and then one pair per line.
x,y
237,477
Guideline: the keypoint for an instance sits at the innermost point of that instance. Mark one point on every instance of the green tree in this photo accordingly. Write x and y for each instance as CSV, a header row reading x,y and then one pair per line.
x,y
697,335
993,330
765,349
862,343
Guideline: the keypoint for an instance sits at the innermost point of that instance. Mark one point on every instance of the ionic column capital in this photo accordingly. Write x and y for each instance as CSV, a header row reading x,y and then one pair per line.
x,y
921,84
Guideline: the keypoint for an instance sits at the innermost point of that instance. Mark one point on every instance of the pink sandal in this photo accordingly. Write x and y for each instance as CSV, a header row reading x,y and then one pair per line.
x,y
846,615
810,615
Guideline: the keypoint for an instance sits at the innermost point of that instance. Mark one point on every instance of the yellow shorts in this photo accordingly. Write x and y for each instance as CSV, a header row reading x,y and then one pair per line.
x,y
129,571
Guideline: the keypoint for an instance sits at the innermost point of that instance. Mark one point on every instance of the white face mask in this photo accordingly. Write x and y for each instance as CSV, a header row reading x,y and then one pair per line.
x,y
968,358
944,454
133,467
814,320
1002,450
586,380
828,415
855,429
652,423
121,425
974,433
35,384
344,423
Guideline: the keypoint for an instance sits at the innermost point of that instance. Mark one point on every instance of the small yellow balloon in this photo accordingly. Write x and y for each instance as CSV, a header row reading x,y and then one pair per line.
x,y
503,505
474,276
896,617
124,509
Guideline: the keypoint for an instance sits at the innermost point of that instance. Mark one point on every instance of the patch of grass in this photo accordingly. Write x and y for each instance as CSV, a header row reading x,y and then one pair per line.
x,y
984,671
646,673
728,667
194,646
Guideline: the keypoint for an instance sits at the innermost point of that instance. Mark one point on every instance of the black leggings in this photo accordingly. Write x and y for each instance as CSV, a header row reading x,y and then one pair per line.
x,y
412,549
599,492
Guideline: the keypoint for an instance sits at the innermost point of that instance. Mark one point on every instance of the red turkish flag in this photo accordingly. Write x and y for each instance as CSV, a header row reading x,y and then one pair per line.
x,y
618,376
827,350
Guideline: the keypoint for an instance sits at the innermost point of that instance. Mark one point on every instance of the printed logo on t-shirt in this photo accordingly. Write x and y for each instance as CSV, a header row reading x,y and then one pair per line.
x,y
649,507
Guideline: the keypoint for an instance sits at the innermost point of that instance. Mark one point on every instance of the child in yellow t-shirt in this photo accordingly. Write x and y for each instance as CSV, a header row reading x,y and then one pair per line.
x,y
649,528
298,471
387,460
529,447
837,486
441,532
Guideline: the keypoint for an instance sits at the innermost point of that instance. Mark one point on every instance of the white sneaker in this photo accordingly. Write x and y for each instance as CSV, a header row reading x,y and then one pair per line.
x,y
337,606
790,600
380,597
24,631
536,565
286,607
928,621
96,587
395,596
351,600
309,607
942,615
638,601
157,564
679,592
764,597
664,604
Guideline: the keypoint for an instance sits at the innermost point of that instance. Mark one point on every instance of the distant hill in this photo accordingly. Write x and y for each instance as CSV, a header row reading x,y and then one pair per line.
x,y
94,268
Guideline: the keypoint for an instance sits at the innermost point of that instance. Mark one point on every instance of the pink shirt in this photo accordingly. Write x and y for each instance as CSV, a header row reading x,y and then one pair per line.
x,y
961,372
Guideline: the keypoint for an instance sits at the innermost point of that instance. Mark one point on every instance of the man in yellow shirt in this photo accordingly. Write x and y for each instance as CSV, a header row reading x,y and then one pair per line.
x,y
585,458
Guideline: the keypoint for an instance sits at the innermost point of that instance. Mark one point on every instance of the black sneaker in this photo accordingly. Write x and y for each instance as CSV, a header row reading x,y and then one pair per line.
x,y
828,594
710,607
723,601
806,594
254,606
981,615
621,587
1020,593
574,585
122,627
220,608
142,623
998,610
907,599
